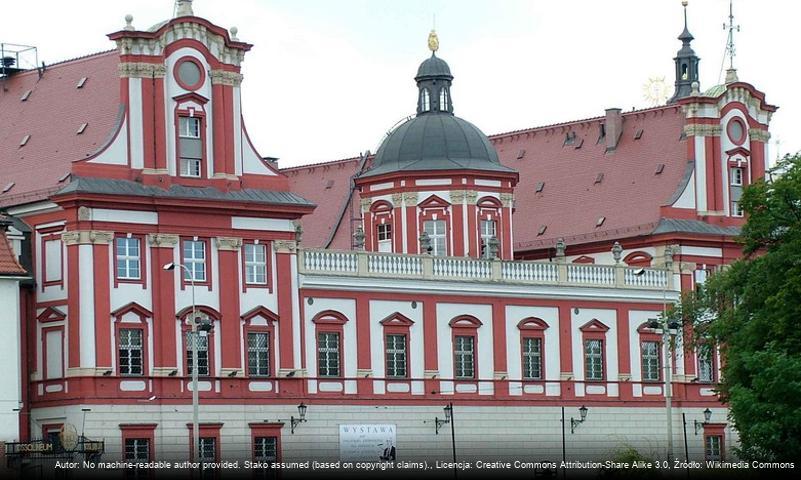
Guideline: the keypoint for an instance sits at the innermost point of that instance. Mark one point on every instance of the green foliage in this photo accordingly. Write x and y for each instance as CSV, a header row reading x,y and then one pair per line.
x,y
753,311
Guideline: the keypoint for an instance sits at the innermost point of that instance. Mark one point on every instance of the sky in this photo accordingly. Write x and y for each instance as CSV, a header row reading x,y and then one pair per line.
x,y
327,79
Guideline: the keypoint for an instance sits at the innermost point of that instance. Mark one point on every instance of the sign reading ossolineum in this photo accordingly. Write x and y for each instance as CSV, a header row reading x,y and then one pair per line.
x,y
365,441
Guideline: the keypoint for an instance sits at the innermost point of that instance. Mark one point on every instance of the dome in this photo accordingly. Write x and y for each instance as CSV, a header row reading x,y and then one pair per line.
x,y
436,141
433,67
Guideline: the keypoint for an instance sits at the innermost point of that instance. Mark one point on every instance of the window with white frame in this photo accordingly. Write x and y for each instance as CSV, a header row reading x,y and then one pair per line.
x,y
190,146
594,359
443,99
650,360
436,232
258,354
384,235
532,358
712,447
488,231
464,353
265,449
736,177
425,101
256,263
202,353
137,449
736,209
328,354
396,355
131,351
128,258
705,370
194,259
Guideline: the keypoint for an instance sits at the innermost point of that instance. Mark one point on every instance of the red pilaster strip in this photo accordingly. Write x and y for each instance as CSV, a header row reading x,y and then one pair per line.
x,y
102,306
73,307
164,354
285,333
472,232
229,308
411,229
458,230
159,124
218,127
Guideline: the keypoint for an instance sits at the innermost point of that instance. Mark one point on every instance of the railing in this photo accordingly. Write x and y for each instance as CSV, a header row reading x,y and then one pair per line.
x,y
426,267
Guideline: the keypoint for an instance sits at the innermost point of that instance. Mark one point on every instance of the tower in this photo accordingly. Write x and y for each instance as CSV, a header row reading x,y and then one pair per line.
x,y
434,82
686,63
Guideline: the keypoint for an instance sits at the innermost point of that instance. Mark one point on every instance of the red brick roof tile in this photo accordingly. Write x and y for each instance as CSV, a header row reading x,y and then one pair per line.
x,y
9,266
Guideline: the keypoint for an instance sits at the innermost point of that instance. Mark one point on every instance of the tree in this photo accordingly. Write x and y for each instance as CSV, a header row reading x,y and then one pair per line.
x,y
752,310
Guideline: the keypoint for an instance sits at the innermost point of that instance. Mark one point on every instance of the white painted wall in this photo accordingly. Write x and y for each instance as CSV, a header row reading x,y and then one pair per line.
x,y
10,342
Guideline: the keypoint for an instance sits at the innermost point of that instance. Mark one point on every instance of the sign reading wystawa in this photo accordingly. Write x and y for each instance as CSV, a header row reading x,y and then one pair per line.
x,y
366,442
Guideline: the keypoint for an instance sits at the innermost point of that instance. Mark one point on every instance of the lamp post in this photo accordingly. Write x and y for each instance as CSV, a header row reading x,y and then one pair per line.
x,y
301,417
439,422
700,425
195,397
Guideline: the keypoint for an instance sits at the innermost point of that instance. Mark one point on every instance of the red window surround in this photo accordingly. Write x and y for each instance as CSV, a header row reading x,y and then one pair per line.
x,y
178,79
381,212
180,271
594,330
465,326
269,318
182,316
638,259
207,430
45,330
330,321
142,261
532,328
398,324
194,113
712,359
51,429
267,266
489,208
50,235
435,208
143,430
266,429
715,430
141,324
649,335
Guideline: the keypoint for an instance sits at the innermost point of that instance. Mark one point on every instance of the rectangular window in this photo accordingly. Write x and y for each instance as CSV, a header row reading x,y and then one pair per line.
x,y
465,356
436,232
488,231
194,258
190,146
736,209
328,354
396,355
52,254
54,350
137,449
202,354
384,235
265,449
594,359
737,176
256,263
258,354
532,358
131,351
650,361
712,447
208,449
705,372
128,260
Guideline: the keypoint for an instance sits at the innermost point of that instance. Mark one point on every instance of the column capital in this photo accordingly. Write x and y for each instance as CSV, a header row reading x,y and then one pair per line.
x,y
285,246
229,243
366,203
410,199
87,237
702,130
224,77
141,70
759,135
397,200
458,196
167,240
471,196
507,199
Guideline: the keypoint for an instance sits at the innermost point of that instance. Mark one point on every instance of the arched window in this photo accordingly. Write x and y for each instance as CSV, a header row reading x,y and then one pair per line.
x,y
443,100
425,100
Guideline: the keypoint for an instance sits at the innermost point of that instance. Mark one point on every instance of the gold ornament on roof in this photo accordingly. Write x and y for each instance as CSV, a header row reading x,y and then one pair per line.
x,y
433,41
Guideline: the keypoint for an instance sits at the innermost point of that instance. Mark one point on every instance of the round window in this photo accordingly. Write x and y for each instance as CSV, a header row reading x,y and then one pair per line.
x,y
736,131
189,74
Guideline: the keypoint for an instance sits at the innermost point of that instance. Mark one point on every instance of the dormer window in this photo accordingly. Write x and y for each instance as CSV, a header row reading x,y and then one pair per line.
x,y
425,100
190,146
443,100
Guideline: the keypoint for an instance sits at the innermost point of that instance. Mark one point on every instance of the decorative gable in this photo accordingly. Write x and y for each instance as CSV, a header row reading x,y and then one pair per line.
x,y
594,326
397,320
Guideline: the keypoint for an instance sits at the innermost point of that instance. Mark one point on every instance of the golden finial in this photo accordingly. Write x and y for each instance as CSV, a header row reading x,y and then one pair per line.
x,y
433,41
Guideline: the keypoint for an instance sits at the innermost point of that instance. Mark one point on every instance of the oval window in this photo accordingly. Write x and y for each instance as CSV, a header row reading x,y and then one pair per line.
x,y
736,131
189,74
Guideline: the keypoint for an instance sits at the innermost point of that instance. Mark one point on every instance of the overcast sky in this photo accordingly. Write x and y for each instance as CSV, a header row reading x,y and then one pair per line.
x,y
327,79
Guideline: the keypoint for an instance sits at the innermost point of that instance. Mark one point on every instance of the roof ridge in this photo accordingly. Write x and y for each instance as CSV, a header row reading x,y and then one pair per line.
x,y
317,164
66,61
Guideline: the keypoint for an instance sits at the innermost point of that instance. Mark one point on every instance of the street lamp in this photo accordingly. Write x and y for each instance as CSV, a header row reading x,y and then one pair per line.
x,y
448,409
700,425
440,422
574,423
205,328
301,417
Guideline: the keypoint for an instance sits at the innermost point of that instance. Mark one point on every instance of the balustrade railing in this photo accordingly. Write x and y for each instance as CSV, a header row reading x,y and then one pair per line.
x,y
426,267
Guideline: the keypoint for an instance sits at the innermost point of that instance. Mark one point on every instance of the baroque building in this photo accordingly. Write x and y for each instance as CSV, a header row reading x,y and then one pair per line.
x,y
509,275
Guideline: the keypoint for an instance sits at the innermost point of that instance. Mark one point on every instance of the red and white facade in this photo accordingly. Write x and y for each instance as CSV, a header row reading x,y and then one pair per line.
x,y
383,335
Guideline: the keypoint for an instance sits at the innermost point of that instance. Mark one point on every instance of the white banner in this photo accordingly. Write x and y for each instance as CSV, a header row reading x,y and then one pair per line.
x,y
361,442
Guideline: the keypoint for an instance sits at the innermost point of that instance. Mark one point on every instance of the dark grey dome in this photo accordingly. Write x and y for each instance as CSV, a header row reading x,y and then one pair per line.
x,y
433,67
436,141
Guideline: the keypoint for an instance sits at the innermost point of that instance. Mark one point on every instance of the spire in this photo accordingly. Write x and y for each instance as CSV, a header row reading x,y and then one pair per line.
x,y
686,63
731,72
434,82
183,8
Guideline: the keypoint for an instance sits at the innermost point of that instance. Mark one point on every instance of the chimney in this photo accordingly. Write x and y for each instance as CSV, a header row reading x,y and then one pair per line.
x,y
613,128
